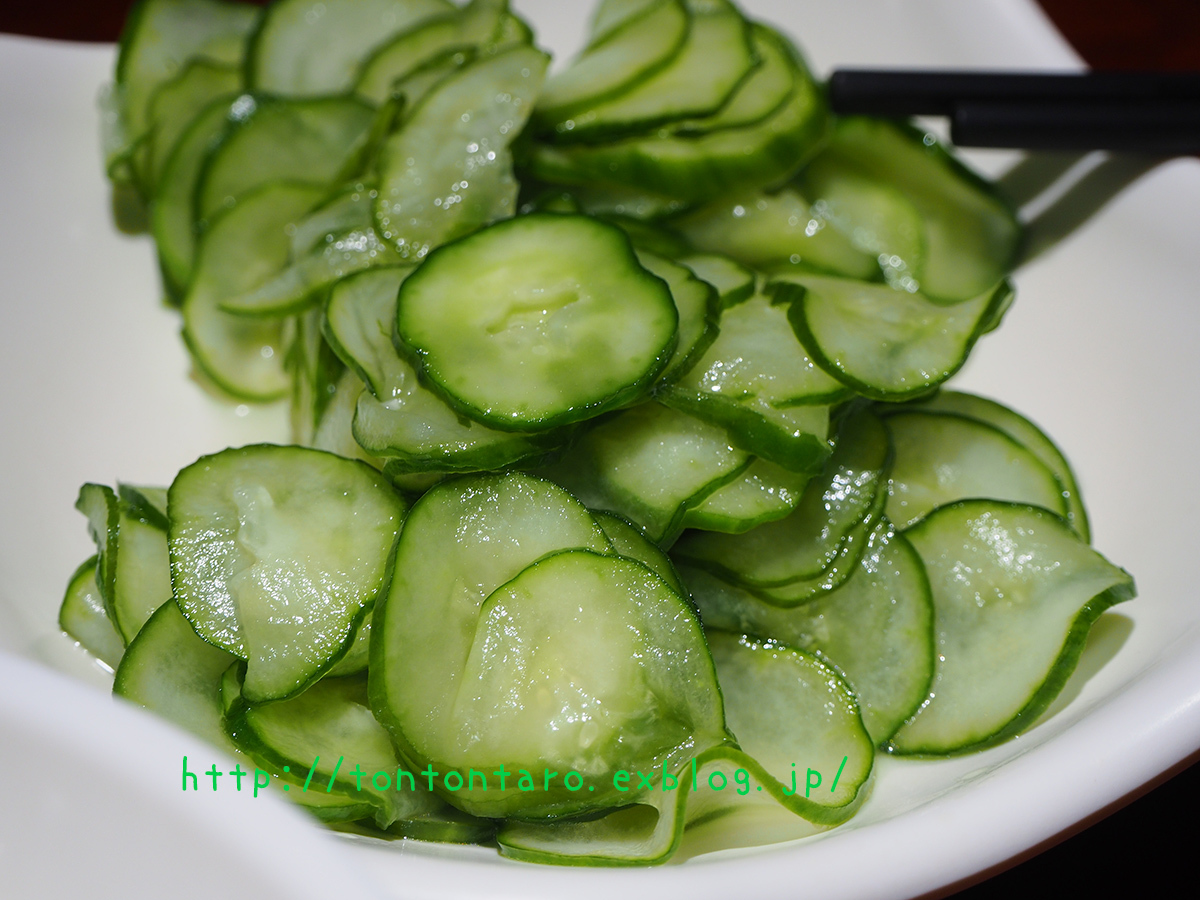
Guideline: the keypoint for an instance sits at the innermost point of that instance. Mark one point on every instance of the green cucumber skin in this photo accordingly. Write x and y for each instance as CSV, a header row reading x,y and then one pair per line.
x,y
1060,670
794,294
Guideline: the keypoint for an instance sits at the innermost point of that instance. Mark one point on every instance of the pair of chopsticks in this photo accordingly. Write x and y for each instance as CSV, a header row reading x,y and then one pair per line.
x,y
1157,113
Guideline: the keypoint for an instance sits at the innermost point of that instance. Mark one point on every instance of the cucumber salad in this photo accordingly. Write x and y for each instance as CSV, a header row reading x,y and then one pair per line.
x,y
624,491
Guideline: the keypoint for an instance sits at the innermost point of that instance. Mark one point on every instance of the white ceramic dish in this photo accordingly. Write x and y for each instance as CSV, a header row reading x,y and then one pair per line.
x,y
1100,349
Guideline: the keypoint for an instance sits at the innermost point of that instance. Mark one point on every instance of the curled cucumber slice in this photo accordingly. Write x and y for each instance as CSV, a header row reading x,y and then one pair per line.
x,y
277,553
1004,576
84,618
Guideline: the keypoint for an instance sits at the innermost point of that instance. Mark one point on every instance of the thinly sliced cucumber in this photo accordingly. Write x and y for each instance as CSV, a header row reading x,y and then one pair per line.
x,y
1025,433
245,357
400,419
583,663
328,725
877,628
98,503
524,340
276,554
697,303
764,90
162,37
641,46
148,503
302,50
841,567
462,540
84,617
358,657
176,104
315,370
477,23
172,216
629,542
874,216
647,236
1004,576
142,580
696,169
277,140
756,357
764,493
844,324
650,464
805,543
942,457
333,433
610,15
448,171
770,230
971,235
700,76
789,709
732,281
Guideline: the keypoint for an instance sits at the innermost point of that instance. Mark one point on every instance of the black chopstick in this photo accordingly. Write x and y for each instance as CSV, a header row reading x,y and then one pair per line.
x,y
1133,112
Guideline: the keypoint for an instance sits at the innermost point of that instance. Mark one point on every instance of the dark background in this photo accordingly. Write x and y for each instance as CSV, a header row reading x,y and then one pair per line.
x,y
1140,849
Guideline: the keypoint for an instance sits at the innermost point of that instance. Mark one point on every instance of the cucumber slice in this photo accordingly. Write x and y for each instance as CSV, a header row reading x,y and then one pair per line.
x,y
448,171
629,542
403,421
941,458
696,169
763,91
315,371
477,23
244,357
877,628
971,234
276,554
844,324
715,56
84,618
1003,576
804,544
610,15
765,492
172,216
582,663
333,433
276,140
697,304
147,503
142,581
358,656
642,45
650,464
837,573
732,281
787,707
98,503
302,50
162,37
755,361
523,340
175,105
779,229
1025,433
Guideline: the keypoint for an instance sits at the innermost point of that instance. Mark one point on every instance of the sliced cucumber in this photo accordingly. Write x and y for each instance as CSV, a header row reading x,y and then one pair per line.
x,y
98,503
877,628
277,140
245,357
523,340
699,76
142,581
1025,433
845,324
643,44
315,371
804,544
333,433
176,104
765,492
941,458
84,617
477,23
302,50
732,281
1004,577
629,542
771,230
970,234
650,464
697,304
276,554
448,171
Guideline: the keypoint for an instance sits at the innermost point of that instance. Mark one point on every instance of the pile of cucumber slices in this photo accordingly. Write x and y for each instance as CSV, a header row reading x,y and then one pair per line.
x,y
625,493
